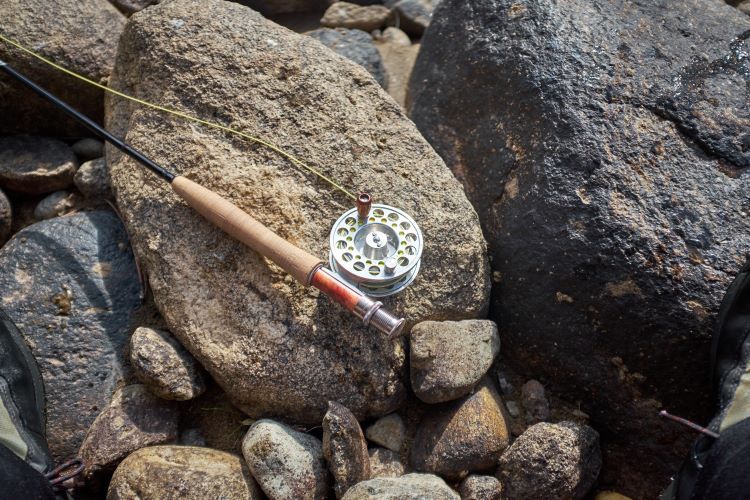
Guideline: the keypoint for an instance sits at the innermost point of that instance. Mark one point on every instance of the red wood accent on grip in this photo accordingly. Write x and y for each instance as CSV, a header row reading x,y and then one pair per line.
x,y
338,292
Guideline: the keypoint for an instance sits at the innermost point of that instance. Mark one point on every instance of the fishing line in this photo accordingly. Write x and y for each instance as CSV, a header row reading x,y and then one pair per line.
x,y
296,161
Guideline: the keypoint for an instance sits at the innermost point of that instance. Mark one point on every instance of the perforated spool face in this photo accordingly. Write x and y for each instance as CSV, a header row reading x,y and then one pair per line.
x,y
381,255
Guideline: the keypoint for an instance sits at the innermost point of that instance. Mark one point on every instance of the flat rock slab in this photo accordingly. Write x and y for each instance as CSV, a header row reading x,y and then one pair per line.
x,y
36,165
70,284
274,346
602,144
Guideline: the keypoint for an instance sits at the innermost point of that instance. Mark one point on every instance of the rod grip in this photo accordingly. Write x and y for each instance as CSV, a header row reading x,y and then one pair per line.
x,y
240,225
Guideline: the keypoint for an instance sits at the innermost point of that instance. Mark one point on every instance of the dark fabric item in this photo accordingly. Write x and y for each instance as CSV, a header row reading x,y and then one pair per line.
x,y
23,392
726,471
19,481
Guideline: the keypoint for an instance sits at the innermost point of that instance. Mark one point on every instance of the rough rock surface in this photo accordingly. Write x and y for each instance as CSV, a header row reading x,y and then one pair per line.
x,y
612,183
353,16
461,437
134,419
88,149
276,347
70,284
288,464
35,165
55,205
92,179
355,45
388,431
78,34
385,463
164,366
481,488
551,461
6,218
182,472
448,358
345,448
408,487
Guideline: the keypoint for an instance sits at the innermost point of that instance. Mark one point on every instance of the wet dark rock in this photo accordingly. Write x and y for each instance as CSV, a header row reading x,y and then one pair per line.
x,y
92,179
88,149
465,436
182,473
481,488
448,358
78,34
164,366
551,461
385,463
134,419
345,448
602,144
353,16
35,165
55,205
408,487
355,45
6,218
288,464
534,399
388,431
70,284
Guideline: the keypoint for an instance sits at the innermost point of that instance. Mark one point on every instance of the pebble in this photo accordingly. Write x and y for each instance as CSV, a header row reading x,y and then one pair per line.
x,y
345,448
88,149
92,179
481,488
534,400
56,204
513,409
413,16
408,487
388,431
352,16
395,36
35,165
385,463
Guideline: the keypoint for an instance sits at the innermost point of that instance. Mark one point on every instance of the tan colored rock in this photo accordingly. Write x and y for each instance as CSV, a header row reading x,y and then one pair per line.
x,y
481,488
398,60
184,473
388,431
345,448
385,463
276,347
353,16
462,437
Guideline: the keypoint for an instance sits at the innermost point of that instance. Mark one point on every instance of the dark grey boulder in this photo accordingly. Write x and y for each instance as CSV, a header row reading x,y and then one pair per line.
x,y
70,284
605,147
355,45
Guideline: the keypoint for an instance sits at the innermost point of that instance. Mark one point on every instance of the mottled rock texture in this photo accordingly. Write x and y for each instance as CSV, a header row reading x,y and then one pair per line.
x,y
605,146
78,34
276,347
388,431
481,488
408,487
385,463
344,448
92,179
70,284
353,16
182,472
35,165
55,205
551,461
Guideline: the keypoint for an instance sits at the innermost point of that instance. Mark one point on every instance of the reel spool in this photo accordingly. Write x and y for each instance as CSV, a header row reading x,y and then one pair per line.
x,y
376,248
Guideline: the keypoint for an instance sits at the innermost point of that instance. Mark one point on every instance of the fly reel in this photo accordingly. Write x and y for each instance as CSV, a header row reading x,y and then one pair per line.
x,y
376,248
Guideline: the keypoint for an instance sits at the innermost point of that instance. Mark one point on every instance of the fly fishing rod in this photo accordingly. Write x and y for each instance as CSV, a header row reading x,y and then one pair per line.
x,y
378,236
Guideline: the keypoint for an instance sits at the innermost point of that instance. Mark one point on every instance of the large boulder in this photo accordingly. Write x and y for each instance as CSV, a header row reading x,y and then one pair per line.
x,y
604,145
276,347
70,284
78,34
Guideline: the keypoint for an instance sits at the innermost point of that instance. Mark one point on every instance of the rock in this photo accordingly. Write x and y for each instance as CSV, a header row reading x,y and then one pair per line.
x,y
465,436
413,16
130,7
535,402
220,424
275,347
272,7
481,488
35,165
192,437
398,61
182,472
55,205
287,464
551,461
78,34
744,7
388,431
623,251
133,420
70,284
353,16
394,36
164,366
92,179
408,487
449,358
88,149
513,409
610,495
6,218
385,463
345,448
355,45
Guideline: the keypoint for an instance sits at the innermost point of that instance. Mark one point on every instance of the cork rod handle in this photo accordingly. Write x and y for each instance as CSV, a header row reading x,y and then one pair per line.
x,y
240,225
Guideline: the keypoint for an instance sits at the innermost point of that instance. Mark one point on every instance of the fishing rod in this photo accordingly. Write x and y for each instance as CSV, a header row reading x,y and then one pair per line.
x,y
375,244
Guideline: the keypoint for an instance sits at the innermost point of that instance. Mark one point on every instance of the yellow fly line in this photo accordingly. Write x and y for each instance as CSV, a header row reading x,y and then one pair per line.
x,y
180,114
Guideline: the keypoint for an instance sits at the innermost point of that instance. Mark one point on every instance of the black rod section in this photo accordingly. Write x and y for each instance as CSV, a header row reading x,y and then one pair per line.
x,y
90,124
